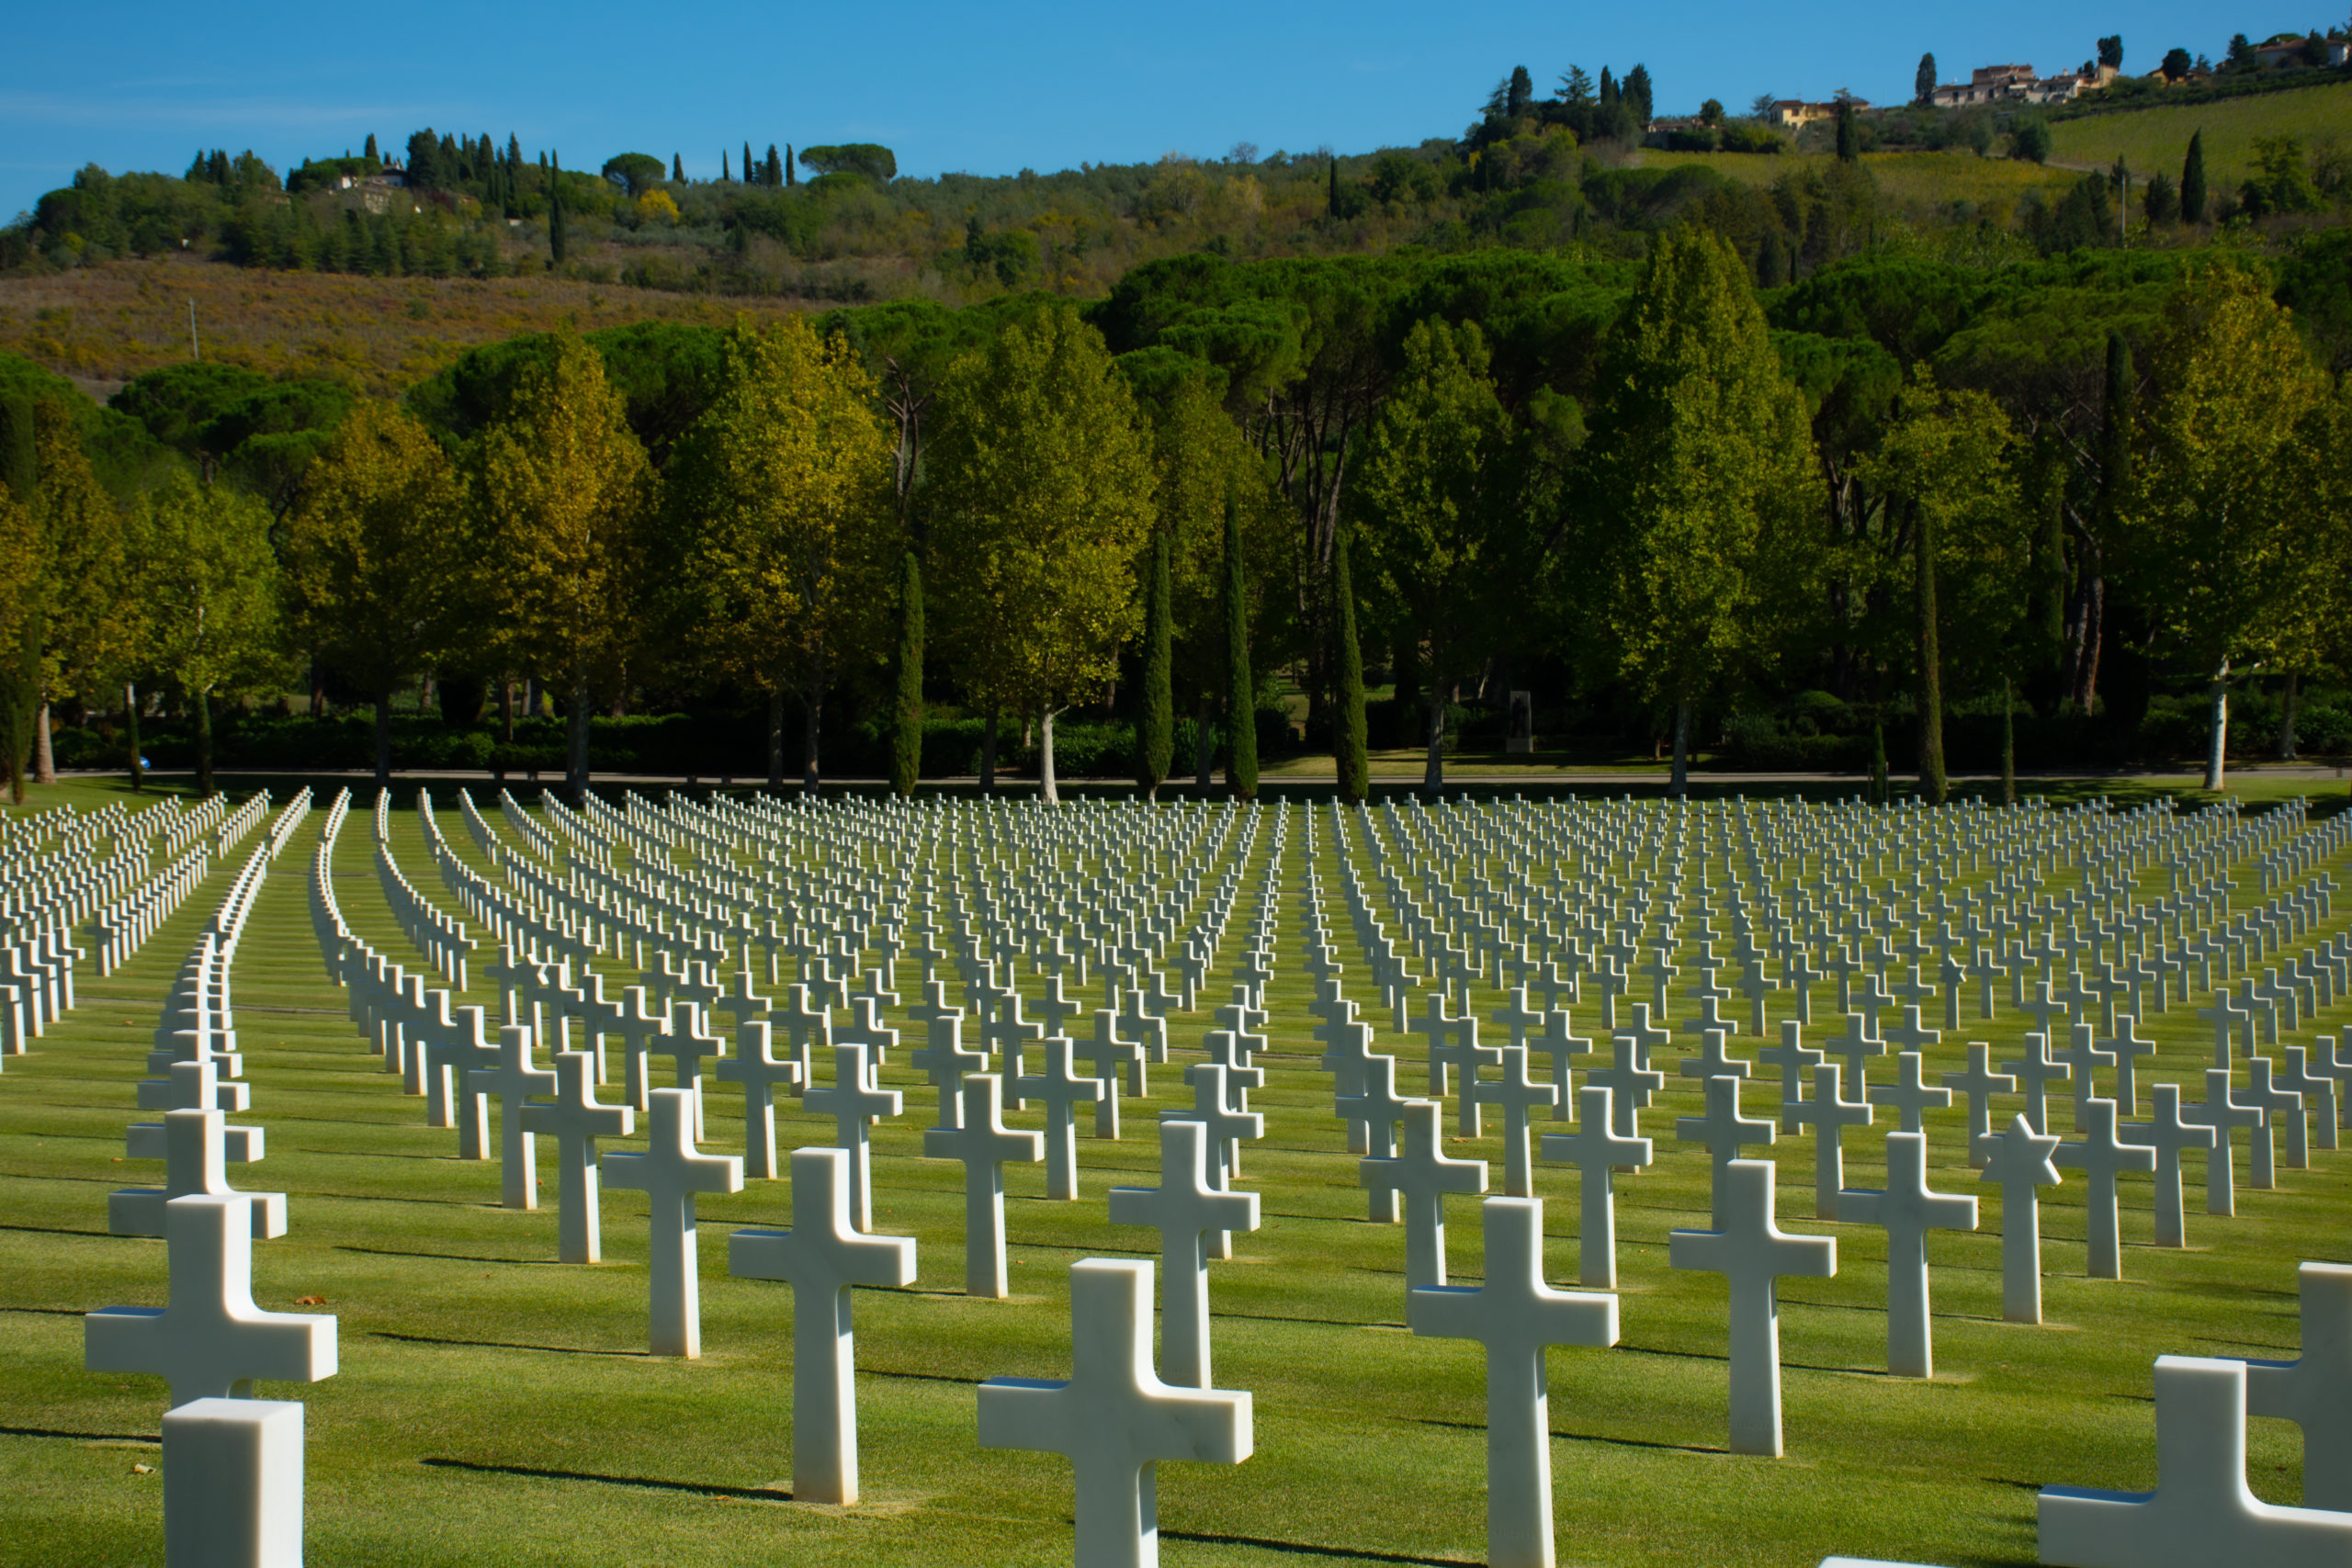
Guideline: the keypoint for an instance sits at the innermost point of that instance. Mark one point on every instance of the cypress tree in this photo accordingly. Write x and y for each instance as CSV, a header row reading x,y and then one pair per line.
x,y
1155,725
1240,690
724,178
2117,416
557,238
1932,786
751,170
1850,141
2192,181
1331,201
774,170
1351,744
789,178
678,167
906,753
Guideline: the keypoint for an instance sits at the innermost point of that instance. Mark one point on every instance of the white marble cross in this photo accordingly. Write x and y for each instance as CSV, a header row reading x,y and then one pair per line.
x,y
2084,1058
576,1121
1596,1151
1794,1058
2311,1391
1980,1083
2167,1136
1753,1254
854,1103
821,1257
983,1142
1910,1094
1370,1109
757,1068
1110,1054
1517,1093
2202,1511
1423,1174
2222,1111
2100,1157
2127,1047
1725,1132
2018,1159
1630,1085
946,1064
192,1143
211,1342
670,1172
1907,1209
514,1081
1516,1316
1186,1209
2282,1108
686,1045
1056,1083
1114,1419
233,1483
2035,1073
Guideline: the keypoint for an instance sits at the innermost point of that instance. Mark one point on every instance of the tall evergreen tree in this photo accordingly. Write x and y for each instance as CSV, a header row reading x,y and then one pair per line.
x,y
1155,722
2192,181
558,240
1351,744
1850,140
678,167
1332,197
1608,87
751,170
906,750
1638,96
1240,688
790,179
1923,84
775,175
724,176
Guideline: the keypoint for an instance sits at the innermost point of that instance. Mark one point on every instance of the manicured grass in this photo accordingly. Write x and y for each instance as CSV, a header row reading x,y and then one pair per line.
x,y
496,1408
2157,139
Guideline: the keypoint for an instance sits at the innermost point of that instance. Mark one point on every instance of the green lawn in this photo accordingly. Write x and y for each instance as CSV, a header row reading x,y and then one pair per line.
x,y
2157,139
495,1408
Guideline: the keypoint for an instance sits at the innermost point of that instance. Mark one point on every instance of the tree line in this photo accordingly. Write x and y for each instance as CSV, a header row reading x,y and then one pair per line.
x,y
1648,488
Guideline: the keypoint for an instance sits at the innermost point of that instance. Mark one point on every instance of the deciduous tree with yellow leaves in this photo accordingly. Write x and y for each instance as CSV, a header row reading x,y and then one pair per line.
x,y
783,516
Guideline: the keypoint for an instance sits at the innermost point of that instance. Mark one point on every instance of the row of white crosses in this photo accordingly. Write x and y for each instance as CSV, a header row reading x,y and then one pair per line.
x,y
232,1464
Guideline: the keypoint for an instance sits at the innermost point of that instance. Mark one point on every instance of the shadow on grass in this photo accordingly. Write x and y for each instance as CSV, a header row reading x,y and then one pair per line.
x,y
55,1230
1302,1549
696,1488
1579,1437
920,1377
508,1345
80,1436
442,1256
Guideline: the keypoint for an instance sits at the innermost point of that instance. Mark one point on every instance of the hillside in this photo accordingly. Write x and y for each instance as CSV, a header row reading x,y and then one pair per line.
x,y
102,325
2157,139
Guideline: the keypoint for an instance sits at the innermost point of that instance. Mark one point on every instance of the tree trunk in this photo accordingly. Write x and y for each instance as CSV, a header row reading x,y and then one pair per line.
x,y
203,744
1931,682
2008,743
2217,736
383,736
1678,784
1203,745
2287,716
318,688
506,711
2094,631
776,737
906,748
812,705
575,774
1048,791
1433,768
130,723
988,754
44,759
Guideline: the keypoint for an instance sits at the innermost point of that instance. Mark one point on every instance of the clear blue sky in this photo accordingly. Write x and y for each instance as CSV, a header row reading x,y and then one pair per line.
x,y
987,88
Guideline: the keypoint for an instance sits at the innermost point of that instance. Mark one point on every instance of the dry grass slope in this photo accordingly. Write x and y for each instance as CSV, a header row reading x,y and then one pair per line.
x,y
103,325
